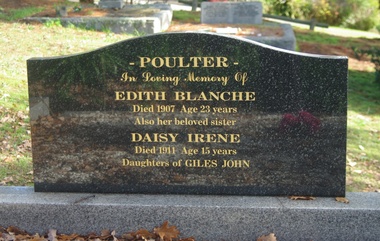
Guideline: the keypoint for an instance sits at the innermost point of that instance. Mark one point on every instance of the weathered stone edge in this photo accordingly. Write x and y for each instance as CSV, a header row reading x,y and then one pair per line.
x,y
156,23
204,217
287,41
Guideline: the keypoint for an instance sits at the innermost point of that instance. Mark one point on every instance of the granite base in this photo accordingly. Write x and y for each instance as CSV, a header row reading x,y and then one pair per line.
x,y
203,217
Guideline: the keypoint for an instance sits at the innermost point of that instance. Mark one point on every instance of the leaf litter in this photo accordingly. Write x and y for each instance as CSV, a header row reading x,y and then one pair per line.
x,y
161,233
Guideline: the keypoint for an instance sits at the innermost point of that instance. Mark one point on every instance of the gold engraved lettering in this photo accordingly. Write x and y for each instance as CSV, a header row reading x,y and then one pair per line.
x,y
223,152
201,163
143,121
189,110
141,108
148,77
145,150
182,62
224,109
214,96
127,78
213,138
222,122
153,137
189,151
140,95
235,164
145,163
163,122
192,78
190,122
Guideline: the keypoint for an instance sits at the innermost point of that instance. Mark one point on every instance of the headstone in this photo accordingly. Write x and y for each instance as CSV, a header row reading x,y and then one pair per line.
x,y
232,12
61,11
189,113
111,3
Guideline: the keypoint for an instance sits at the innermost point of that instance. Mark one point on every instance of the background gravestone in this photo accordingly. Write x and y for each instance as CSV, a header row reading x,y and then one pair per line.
x,y
111,3
189,113
232,12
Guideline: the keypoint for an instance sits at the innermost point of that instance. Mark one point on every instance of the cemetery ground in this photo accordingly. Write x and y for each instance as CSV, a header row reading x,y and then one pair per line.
x,y
19,41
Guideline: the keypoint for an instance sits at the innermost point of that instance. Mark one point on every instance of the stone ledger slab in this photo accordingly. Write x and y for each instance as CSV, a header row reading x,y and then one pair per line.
x,y
232,12
154,22
203,217
286,41
189,113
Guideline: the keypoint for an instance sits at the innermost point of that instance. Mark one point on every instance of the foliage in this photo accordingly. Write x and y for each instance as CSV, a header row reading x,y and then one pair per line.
x,y
374,55
279,7
53,23
358,14
17,14
364,15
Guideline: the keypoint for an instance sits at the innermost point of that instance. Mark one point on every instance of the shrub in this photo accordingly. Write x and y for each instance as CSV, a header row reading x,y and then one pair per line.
x,y
374,55
359,14
364,16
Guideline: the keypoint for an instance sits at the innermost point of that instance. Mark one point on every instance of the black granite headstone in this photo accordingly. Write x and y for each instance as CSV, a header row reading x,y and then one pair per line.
x,y
189,113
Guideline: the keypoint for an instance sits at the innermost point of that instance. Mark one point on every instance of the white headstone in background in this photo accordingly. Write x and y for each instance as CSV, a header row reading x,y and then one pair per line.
x,y
111,3
232,12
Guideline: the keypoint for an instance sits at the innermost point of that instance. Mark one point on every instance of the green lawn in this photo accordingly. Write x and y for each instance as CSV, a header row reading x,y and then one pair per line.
x,y
37,41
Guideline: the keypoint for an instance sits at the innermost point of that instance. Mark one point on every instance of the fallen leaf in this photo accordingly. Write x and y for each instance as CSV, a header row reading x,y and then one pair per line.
x,y
64,237
5,181
352,164
270,237
128,236
16,230
105,232
8,237
36,237
52,235
342,200
163,233
145,234
302,198
167,233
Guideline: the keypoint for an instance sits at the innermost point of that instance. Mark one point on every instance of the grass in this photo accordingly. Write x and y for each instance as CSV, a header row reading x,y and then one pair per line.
x,y
363,155
316,37
16,14
42,41
363,152
186,16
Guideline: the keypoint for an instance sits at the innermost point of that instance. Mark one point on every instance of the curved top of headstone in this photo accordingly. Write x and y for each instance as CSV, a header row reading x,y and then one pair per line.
x,y
181,41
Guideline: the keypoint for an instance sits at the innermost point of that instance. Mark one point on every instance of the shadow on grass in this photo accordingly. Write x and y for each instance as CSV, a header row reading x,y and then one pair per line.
x,y
363,93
